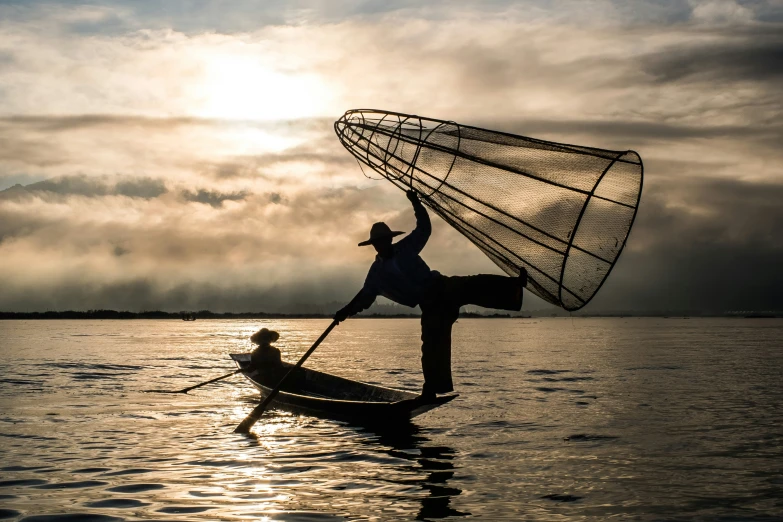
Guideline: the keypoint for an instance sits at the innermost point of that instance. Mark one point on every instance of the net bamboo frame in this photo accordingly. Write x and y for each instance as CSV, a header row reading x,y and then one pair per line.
x,y
562,211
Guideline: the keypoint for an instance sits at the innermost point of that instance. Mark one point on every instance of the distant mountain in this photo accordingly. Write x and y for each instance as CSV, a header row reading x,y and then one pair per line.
x,y
89,186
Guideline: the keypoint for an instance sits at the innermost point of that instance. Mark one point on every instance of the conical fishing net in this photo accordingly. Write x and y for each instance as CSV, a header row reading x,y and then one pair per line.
x,y
561,211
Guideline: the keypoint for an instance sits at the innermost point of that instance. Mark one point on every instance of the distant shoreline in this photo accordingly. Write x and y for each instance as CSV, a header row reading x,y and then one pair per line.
x,y
206,314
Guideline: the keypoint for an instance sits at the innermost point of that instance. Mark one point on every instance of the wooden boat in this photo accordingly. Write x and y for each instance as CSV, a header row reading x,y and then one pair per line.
x,y
324,395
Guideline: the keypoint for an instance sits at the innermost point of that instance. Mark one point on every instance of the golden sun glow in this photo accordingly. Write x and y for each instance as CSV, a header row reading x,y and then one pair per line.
x,y
243,88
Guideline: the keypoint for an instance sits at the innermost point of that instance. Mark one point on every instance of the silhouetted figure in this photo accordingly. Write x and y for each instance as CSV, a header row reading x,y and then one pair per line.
x,y
400,274
265,356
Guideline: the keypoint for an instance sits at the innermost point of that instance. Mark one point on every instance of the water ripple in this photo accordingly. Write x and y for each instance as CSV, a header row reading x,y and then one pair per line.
x,y
668,423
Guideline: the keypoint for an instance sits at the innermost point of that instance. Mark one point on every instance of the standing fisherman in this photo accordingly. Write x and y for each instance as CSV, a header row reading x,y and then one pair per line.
x,y
400,274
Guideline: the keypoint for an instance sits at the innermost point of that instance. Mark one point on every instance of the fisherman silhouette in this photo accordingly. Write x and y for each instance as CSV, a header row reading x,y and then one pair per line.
x,y
400,274
265,356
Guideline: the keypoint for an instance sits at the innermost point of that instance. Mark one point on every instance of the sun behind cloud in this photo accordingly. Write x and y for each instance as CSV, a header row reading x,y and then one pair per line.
x,y
242,87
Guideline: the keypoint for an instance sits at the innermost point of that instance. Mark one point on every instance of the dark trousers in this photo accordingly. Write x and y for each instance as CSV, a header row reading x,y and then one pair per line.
x,y
440,309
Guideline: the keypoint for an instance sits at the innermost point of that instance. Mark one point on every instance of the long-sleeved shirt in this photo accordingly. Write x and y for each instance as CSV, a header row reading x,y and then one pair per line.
x,y
404,276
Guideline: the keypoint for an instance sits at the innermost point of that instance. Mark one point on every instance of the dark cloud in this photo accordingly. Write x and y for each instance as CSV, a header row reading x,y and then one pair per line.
x,y
146,188
702,210
756,57
634,131
147,293
213,198
695,277
702,244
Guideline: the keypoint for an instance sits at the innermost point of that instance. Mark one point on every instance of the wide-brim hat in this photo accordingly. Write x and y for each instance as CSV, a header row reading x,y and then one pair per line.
x,y
264,336
380,230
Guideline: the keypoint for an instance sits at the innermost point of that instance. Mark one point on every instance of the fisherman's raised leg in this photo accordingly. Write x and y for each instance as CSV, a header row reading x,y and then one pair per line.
x,y
488,291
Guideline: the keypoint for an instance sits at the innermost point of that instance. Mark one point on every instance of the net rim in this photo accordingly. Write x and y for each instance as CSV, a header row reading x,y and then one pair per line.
x,y
625,239
570,146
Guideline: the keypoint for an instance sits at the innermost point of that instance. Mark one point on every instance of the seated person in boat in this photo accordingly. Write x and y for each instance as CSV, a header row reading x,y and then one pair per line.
x,y
400,274
265,356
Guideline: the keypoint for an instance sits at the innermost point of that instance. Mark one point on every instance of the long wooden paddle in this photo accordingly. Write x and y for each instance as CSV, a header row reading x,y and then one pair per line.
x,y
250,420
186,390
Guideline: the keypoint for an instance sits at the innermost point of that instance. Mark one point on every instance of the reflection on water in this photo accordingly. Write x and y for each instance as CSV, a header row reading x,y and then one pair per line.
x,y
557,419
295,468
407,442
428,467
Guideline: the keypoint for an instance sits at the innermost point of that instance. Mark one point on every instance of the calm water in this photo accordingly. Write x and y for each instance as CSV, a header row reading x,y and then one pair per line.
x,y
558,419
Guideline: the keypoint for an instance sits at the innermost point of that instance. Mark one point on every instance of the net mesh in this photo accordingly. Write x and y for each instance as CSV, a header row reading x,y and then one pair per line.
x,y
561,211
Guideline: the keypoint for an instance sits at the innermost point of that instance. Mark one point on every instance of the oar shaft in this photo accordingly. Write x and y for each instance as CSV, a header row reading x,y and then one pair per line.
x,y
250,420
186,390
216,379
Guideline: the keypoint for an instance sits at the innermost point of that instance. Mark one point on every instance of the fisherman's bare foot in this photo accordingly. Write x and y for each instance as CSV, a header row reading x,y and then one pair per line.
x,y
523,277
426,395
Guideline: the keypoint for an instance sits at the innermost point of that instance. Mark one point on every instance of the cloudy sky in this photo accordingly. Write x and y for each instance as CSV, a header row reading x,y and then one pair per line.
x,y
180,154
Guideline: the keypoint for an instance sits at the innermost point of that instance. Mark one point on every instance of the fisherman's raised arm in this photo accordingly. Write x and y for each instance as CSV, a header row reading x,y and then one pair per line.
x,y
416,240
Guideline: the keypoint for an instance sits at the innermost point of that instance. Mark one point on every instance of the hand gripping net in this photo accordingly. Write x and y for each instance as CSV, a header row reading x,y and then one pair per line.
x,y
561,211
